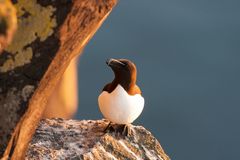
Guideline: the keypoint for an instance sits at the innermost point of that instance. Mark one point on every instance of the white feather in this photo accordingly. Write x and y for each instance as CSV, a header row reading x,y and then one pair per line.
x,y
120,107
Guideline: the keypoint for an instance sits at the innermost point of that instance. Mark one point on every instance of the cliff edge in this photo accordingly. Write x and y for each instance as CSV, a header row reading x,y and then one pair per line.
x,y
86,139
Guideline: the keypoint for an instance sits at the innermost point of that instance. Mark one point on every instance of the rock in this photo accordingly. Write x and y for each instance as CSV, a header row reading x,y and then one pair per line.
x,y
8,23
50,33
72,139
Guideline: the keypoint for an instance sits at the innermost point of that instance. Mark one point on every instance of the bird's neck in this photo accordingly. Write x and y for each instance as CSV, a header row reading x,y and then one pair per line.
x,y
126,81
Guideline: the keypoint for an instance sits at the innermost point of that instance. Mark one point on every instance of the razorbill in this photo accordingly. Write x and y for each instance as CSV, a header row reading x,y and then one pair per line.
x,y
121,101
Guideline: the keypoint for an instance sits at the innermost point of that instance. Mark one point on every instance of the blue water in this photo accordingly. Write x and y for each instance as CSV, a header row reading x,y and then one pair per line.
x,y
188,57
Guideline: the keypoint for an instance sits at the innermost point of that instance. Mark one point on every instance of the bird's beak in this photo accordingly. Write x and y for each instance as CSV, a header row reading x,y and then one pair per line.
x,y
114,63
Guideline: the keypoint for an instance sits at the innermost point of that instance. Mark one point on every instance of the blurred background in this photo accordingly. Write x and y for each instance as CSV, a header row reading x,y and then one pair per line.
x,y
187,53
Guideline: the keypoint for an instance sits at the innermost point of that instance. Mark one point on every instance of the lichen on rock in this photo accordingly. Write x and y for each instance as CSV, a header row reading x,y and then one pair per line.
x,y
72,139
14,98
34,22
27,91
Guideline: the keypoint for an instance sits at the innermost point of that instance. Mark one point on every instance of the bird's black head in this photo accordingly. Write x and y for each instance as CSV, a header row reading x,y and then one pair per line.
x,y
125,71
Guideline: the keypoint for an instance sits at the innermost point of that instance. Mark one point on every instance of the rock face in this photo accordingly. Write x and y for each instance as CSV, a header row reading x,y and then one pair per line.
x,y
72,139
50,33
8,23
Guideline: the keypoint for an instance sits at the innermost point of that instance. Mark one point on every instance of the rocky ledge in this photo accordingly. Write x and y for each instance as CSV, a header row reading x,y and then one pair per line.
x,y
72,139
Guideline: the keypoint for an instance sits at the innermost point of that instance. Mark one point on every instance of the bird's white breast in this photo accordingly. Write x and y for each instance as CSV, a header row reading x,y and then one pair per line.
x,y
120,107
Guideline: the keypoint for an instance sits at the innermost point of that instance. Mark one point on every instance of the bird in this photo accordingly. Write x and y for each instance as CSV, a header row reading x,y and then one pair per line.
x,y
121,101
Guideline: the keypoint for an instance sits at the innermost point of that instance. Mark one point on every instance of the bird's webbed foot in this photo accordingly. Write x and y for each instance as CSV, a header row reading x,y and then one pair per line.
x,y
127,130
122,129
109,128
